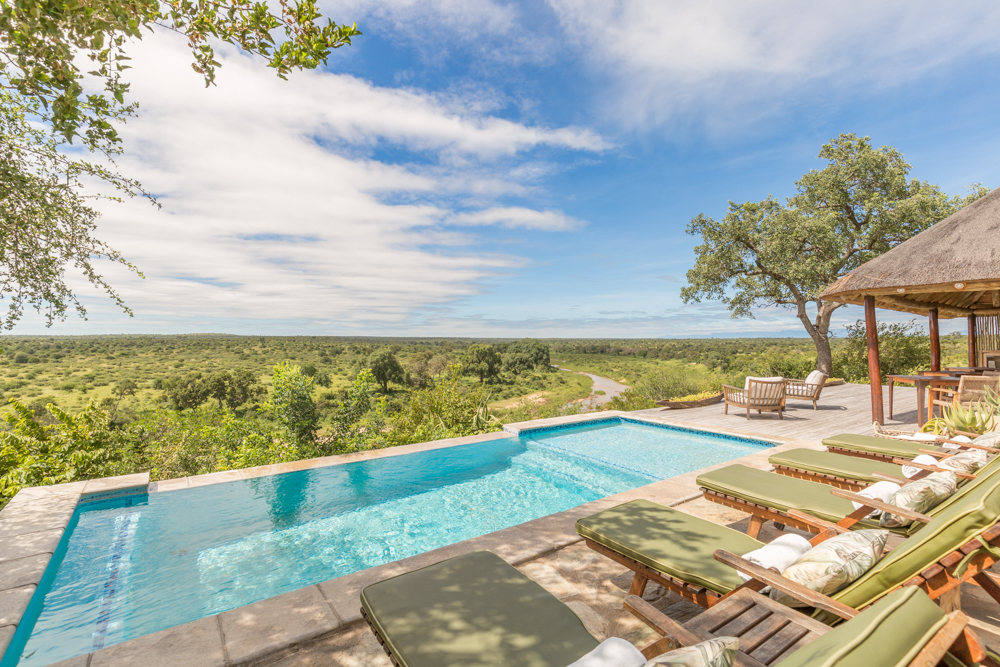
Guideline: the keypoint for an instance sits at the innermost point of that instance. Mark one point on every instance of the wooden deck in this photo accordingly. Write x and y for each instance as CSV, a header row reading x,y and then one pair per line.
x,y
842,409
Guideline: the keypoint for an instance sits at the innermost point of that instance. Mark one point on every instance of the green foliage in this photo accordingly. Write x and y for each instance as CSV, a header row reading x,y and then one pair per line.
x,y
72,448
978,418
662,384
386,368
234,388
43,41
446,410
902,350
482,361
360,418
187,392
292,405
771,254
41,198
526,355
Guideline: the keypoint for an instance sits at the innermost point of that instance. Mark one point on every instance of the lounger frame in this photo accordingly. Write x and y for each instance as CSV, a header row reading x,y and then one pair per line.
x,y
822,478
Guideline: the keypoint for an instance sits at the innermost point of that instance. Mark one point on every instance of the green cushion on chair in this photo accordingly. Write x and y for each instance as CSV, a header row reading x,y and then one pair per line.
x,y
955,522
888,634
776,491
669,541
904,449
839,465
471,611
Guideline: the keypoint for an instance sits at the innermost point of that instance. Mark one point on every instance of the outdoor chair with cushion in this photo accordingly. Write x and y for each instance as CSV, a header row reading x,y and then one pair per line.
x,y
886,448
760,394
808,389
971,389
675,549
476,610
766,496
851,472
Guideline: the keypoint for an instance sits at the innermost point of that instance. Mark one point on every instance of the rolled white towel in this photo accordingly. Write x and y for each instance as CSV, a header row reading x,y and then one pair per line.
x,y
779,554
923,437
910,471
878,491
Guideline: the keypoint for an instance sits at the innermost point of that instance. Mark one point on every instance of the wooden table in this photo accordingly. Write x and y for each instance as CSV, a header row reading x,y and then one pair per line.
x,y
921,382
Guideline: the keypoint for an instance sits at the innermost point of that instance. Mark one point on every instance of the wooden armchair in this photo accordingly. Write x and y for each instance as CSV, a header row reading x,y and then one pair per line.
x,y
760,395
808,389
971,388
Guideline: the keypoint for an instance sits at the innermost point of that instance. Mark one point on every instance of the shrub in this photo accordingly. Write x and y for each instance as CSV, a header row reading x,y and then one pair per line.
x,y
903,349
21,358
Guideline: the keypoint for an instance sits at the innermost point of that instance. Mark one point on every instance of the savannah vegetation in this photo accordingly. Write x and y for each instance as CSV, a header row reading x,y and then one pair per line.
x,y
93,406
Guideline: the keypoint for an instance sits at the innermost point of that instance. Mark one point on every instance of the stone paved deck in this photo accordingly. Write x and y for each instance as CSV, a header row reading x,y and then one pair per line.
x,y
321,624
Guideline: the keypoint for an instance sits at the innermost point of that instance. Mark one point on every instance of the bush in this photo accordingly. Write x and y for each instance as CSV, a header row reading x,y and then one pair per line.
x,y
21,358
903,349
443,411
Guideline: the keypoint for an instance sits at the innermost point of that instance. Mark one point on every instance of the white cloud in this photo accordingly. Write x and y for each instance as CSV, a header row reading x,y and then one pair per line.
x,y
516,216
275,207
720,61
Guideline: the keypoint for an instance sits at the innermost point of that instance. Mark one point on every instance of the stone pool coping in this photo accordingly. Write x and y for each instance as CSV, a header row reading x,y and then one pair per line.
x,y
31,531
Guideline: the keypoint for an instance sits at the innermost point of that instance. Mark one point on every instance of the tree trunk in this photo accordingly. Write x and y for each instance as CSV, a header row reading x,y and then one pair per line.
x,y
819,331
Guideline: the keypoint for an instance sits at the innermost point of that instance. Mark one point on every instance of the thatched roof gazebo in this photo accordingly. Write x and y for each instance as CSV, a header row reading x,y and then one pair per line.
x,y
950,270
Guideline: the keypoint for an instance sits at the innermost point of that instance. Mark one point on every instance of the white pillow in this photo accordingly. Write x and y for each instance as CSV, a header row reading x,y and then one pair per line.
x,y
923,437
613,652
814,378
911,471
991,439
835,563
779,553
878,491
716,652
746,384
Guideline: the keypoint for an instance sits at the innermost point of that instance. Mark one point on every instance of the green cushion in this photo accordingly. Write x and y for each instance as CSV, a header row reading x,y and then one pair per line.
x,y
954,524
776,491
471,611
670,541
888,634
839,465
904,449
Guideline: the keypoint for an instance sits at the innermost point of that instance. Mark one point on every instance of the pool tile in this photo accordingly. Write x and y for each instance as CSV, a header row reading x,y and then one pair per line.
x,y
268,626
13,602
30,544
195,644
117,483
23,571
344,593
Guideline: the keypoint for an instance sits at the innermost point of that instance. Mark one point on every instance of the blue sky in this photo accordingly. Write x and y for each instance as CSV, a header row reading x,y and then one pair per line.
x,y
512,169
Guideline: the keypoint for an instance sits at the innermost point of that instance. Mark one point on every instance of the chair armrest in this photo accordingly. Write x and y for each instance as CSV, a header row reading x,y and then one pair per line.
x,y
663,624
786,586
817,522
879,505
891,478
930,468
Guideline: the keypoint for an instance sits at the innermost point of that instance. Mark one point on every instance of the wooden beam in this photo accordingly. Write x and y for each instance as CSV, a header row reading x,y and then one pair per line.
x,y
972,341
932,326
874,369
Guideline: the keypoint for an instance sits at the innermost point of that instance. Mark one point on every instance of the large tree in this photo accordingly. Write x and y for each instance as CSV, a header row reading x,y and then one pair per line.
x,y
46,222
767,253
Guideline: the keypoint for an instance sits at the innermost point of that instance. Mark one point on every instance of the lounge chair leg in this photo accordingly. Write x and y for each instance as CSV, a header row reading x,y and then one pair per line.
x,y
987,583
725,410
781,415
638,586
816,408
756,522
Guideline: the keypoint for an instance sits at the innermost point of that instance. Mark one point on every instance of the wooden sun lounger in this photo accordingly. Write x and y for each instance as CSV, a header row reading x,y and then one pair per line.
x,y
769,631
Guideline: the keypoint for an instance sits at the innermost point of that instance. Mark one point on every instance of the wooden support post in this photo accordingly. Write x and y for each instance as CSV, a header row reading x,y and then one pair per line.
x,y
874,369
972,341
932,323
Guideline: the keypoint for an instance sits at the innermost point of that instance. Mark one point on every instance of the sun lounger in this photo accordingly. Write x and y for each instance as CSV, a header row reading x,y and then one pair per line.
x,y
667,546
906,629
476,610
887,449
769,497
844,472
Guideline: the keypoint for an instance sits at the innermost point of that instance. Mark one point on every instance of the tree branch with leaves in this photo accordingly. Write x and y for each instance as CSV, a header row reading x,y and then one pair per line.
x,y
767,254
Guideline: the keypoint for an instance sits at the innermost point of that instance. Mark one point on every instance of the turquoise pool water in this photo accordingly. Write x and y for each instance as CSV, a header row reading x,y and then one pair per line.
x,y
132,566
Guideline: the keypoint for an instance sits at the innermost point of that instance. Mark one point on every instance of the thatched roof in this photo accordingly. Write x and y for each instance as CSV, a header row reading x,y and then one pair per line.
x,y
954,266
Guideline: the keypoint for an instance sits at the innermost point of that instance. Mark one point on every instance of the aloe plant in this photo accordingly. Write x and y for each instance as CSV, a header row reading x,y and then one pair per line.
x,y
979,417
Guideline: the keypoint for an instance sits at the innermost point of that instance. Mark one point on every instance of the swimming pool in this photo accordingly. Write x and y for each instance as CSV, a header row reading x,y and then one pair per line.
x,y
135,565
